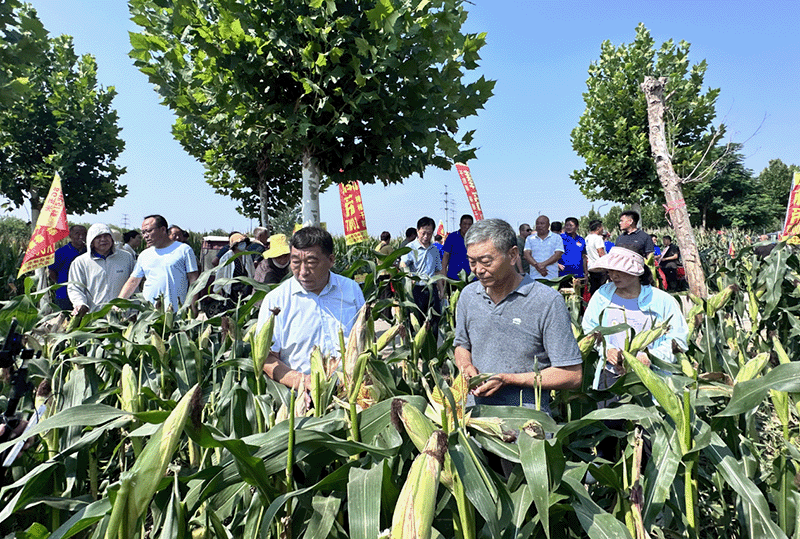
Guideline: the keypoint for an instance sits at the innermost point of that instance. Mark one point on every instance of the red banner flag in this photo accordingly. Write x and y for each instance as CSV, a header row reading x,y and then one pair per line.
x,y
51,227
469,187
440,229
791,226
355,224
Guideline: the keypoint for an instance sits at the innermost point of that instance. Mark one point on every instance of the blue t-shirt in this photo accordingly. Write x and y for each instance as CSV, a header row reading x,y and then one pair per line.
x,y
656,250
63,260
454,244
572,259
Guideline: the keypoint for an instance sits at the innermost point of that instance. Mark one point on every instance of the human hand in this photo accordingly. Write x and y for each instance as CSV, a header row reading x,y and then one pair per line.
x,y
614,357
541,269
469,370
561,267
643,358
490,386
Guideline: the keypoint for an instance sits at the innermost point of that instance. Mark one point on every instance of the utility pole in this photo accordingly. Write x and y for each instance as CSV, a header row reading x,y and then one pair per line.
x,y
449,209
125,221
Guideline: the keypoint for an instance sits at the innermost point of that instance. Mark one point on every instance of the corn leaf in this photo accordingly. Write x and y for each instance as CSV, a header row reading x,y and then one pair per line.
x,y
534,465
597,523
748,395
736,476
364,501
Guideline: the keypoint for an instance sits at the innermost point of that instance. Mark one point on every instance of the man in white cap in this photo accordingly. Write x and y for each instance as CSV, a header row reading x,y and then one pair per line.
x,y
275,264
98,275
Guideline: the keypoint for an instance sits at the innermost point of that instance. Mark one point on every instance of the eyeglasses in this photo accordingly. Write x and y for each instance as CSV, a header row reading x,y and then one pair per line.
x,y
529,230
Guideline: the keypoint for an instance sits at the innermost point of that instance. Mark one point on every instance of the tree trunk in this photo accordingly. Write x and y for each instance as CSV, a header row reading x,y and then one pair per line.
x,y
40,273
673,192
311,182
262,169
262,207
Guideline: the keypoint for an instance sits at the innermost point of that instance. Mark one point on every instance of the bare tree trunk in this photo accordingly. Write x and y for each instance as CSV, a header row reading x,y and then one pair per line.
x,y
262,207
40,273
311,182
673,192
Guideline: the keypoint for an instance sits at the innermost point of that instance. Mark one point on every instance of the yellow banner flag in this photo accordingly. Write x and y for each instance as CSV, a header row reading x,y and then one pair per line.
x,y
355,224
51,227
791,226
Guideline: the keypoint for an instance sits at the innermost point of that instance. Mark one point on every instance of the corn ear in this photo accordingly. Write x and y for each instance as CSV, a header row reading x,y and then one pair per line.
x,y
204,340
416,424
453,301
688,369
644,338
586,344
139,484
492,426
416,505
130,390
158,344
660,390
422,334
718,300
388,336
783,357
262,342
356,343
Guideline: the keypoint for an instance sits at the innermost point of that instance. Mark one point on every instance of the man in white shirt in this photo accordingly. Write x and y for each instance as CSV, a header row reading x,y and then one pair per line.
x,y
543,250
168,266
595,248
311,306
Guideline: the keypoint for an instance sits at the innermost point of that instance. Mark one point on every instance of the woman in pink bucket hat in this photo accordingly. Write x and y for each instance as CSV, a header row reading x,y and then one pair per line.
x,y
630,298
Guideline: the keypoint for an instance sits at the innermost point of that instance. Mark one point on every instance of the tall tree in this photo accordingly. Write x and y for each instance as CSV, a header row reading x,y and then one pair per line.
x,y
349,90
774,185
64,124
647,129
612,133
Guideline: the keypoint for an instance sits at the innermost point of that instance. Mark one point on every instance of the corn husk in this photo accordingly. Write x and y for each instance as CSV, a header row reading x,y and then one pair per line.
x,y
416,505
139,484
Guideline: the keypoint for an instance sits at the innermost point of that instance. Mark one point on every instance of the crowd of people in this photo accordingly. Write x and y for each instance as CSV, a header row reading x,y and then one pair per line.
x,y
509,321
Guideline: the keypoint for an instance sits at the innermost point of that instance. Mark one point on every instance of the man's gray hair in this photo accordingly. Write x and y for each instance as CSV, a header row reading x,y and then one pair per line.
x,y
500,232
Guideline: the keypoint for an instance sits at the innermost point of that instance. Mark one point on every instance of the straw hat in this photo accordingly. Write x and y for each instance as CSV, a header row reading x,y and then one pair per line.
x,y
278,246
236,238
620,259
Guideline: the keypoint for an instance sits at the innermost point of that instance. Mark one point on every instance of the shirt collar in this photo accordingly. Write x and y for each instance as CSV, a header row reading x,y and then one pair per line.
x,y
297,288
524,287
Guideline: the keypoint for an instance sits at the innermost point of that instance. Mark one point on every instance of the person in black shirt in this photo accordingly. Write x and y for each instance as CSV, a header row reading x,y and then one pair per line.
x,y
635,239
670,258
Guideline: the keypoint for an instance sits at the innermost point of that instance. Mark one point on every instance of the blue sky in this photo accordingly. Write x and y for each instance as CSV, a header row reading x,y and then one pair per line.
x,y
537,51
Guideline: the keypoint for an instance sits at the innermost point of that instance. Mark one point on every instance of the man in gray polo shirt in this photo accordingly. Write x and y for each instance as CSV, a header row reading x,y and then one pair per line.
x,y
511,326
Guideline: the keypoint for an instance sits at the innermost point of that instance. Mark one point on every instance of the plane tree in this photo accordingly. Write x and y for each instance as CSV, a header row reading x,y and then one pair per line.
x,y
331,91
630,156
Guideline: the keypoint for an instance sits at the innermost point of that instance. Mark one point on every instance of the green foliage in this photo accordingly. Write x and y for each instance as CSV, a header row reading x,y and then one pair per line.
x,y
338,471
64,124
370,91
774,184
23,41
612,133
